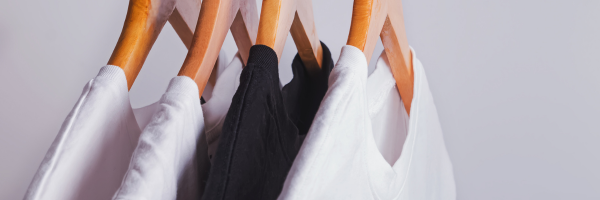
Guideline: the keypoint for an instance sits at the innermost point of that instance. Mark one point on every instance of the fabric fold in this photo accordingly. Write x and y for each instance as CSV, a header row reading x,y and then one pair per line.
x,y
363,145
260,139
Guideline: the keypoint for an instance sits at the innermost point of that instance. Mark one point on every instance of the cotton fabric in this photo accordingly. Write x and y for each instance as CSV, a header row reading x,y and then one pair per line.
x,y
171,160
165,156
215,109
92,150
343,157
389,119
260,140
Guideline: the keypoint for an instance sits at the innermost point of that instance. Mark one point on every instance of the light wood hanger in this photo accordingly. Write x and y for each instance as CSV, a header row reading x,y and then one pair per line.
x,y
215,19
184,19
280,17
383,18
144,21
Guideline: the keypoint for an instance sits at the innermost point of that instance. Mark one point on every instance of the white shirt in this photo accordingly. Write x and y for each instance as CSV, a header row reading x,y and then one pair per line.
x,y
386,110
165,158
352,141
171,160
92,151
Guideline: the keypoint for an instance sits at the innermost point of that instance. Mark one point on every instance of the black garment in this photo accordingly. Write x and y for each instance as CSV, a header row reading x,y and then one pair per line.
x,y
303,94
261,136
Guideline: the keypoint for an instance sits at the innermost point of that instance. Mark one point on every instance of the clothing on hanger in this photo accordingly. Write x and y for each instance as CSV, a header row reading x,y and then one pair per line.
x,y
384,19
215,109
259,139
343,158
92,151
171,160
386,110
303,94
165,156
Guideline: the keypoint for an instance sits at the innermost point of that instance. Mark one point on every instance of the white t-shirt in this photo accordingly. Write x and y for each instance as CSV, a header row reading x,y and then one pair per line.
x,y
386,110
171,160
356,134
165,156
92,151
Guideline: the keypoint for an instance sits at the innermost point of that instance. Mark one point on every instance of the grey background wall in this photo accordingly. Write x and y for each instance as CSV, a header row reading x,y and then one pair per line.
x,y
516,83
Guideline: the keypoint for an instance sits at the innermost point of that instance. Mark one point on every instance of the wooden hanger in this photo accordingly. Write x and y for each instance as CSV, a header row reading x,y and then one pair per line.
x,y
184,18
144,21
383,18
215,19
280,17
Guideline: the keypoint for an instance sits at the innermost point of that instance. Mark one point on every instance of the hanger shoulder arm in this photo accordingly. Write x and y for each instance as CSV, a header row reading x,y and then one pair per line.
x,y
245,27
213,23
368,18
184,19
400,60
144,21
395,42
215,19
282,17
276,20
305,37
384,18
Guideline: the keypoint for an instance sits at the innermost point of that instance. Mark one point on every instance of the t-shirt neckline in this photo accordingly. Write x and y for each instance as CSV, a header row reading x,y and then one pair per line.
x,y
383,175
